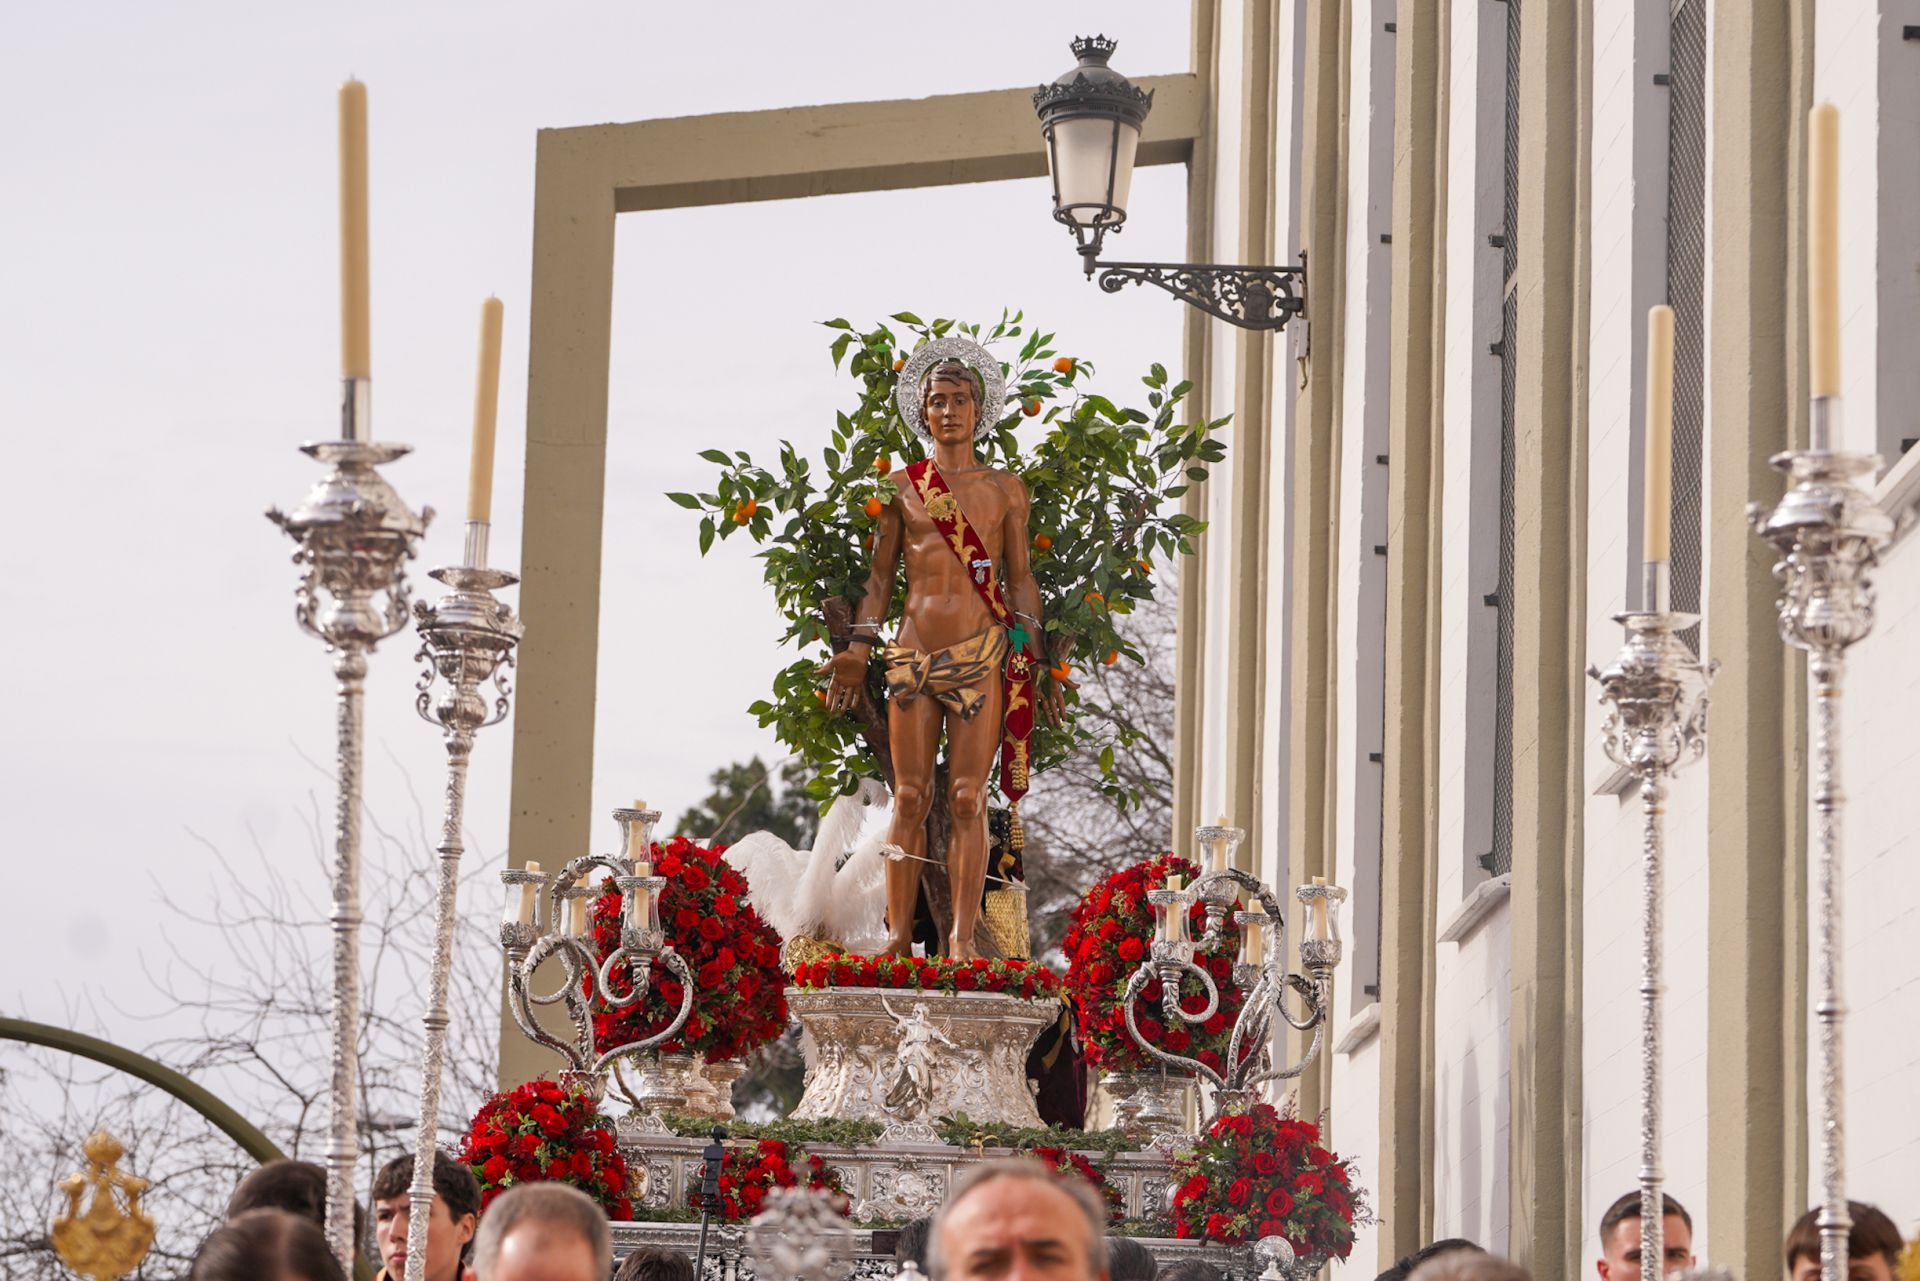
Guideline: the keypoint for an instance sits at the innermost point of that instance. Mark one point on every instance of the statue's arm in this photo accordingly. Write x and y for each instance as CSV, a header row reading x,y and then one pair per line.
x,y
848,668
1023,593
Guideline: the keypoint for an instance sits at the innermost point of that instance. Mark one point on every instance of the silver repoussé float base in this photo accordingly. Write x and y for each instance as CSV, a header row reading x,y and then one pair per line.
x,y
1656,692
1829,534
467,642
642,946
353,537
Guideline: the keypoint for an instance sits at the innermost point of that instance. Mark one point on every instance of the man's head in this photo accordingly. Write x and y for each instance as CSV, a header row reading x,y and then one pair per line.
x,y
1873,1245
1468,1265
456,1209
1128,1260
1016,1220
1192,1270
655,1263
1620,1239
543,1232
266,1245
298,1187
950,401
1405,1267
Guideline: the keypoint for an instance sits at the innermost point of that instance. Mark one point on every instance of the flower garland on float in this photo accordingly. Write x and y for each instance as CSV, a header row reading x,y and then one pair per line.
x,y
929,974
1261,1173
750,1171
1112,933
1069,1164
543,1132
739,1001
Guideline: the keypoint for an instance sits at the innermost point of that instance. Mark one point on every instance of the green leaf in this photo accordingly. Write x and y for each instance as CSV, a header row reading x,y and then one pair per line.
x,y
687,501
718,457
908,318
706,534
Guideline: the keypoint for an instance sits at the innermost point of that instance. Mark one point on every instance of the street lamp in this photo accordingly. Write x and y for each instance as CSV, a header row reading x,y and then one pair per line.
x,y
1091,118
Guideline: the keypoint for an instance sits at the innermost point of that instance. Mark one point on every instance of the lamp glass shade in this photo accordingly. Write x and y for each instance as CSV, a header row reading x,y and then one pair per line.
x,y
1092,161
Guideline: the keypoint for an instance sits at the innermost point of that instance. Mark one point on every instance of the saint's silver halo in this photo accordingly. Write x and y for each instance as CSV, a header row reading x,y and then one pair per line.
x,y
906,393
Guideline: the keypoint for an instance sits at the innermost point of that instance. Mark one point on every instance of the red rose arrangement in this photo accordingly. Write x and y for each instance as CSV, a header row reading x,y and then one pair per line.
x,y
739,1000
1261,1174
1112,932
929,974
1065,1163
539,1131
750,1171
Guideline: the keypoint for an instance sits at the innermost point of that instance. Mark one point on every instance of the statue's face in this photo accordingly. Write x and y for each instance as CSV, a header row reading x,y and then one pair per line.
x,y
952,410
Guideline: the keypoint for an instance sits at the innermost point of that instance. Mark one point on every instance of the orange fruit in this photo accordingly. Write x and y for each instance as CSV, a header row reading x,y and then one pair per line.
x,y
1042,542
1060,671
899,363
875,507
744,512
1094,598
883,464
1144,567
820,694
1113,656
867,542
1031,408
1064,365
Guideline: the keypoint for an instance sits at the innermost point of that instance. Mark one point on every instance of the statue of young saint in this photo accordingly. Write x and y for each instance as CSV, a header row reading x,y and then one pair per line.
x,y
970,637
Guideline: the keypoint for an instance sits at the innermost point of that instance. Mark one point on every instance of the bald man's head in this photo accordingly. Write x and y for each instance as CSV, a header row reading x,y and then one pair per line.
x,y
543,1232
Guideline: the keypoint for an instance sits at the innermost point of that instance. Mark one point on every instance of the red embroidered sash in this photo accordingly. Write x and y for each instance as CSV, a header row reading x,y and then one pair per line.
x,y
945,511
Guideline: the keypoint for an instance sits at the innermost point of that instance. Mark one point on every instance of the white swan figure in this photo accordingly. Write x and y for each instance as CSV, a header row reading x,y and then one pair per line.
x,y
834,890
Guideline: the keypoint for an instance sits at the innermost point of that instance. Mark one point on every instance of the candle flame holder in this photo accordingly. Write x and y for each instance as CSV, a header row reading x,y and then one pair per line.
x,y
530,943
1656,694
353,536
1265,981
1829,534
467,641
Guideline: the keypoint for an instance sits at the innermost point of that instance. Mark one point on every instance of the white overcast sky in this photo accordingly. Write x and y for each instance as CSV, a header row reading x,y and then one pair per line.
x,y
169,334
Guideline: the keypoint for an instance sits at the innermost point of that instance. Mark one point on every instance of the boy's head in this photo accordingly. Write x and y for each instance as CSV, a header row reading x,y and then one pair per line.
x,y
456,1211
1873,1245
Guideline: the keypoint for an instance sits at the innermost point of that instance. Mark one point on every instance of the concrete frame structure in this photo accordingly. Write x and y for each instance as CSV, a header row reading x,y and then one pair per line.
x,y
1337,656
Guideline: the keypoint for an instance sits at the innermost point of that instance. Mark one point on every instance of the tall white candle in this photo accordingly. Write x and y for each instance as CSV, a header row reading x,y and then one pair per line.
x,y
355,347
1656,518
1823,250
486,413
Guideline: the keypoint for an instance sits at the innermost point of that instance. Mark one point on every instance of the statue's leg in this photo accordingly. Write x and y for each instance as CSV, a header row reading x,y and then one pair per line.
x,y
972,746
914,726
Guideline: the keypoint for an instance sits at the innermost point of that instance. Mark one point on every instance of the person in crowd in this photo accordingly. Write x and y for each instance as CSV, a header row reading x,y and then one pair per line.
x,y
655,1263
266,1245
1192,1270
1468,1265
910,1243
1620,1239
1873,1245
456,1212
298,1187
1128,1260
1015,1220
543,1232
1404,1268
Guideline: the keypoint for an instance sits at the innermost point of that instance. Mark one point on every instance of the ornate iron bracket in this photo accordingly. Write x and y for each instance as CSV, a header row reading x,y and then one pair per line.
x,y
1260,298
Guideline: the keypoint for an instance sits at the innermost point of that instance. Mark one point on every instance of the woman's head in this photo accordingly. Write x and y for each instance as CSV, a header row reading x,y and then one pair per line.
x,y
266,1245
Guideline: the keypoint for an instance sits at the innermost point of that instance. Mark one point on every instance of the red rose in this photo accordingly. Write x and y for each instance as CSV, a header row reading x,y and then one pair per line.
x,y
711,930
1219,1227
964,980
1272,1228
1265,1163
495,1169
548,1119
1310,1182
1132,949
686,919
1239,1192
1279,1204
668,865
694,877
725,905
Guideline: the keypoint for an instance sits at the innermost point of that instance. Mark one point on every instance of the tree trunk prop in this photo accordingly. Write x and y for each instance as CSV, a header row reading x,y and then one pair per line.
x,y
936,887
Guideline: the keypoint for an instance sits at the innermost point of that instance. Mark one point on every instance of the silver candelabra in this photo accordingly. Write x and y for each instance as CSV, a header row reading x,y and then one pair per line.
x,y
1656,693
353,537
535,935
1829,534
467,642
1259,971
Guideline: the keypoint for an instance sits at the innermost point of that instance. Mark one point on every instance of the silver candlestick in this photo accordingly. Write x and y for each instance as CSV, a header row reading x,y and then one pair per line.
x,y
354,536
537,935
467,641
1829,534
1656,693
1261,974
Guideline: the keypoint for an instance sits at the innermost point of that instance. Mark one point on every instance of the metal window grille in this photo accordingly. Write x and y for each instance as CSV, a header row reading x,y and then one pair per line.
x,y
1686,292
1500,860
